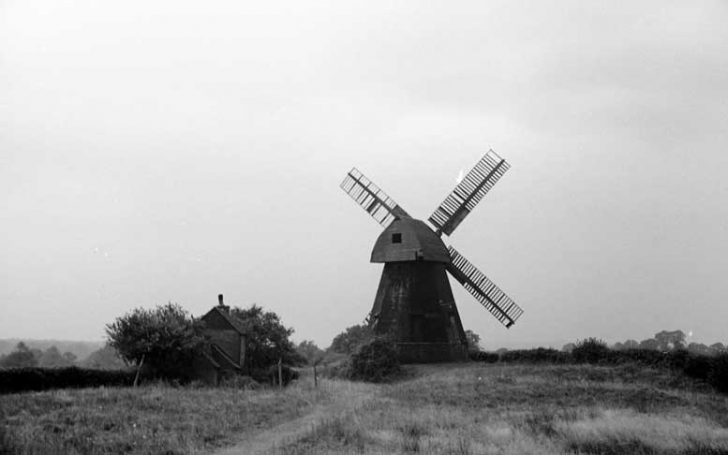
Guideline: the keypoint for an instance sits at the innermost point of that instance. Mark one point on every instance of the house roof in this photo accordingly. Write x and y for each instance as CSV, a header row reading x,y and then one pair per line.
x,y
234,322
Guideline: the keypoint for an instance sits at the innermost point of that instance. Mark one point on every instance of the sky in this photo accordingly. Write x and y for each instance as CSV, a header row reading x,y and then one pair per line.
x,y
171,151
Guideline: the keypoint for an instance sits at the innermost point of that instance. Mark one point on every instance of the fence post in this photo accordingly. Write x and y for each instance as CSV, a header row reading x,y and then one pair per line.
x,y
280,372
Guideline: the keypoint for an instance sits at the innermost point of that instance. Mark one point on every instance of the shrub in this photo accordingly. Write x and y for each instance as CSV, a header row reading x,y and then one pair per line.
x,y
718,376
642,356
698,366
375,361
270,375
17,380
483,356
538,355
591,350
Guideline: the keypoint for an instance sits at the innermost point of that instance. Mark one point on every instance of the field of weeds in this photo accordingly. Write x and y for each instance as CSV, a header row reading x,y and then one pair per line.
x,y
442,409
155,419
520,409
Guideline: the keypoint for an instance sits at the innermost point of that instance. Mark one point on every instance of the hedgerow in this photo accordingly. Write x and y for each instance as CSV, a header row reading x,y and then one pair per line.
x,y
710,369
15,380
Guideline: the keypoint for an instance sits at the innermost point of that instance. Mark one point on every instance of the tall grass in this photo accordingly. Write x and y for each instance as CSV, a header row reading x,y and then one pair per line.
x,y
152,419
524,409
461,409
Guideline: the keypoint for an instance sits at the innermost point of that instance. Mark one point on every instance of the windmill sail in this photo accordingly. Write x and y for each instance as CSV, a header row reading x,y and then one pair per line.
x,y
372,199
469,192
488,294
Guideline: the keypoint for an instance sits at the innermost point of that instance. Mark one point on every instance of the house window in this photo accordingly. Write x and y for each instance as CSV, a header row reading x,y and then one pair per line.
x,y
397,238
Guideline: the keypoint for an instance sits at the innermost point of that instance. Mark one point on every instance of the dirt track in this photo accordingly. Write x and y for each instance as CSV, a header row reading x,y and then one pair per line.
x,y
265,441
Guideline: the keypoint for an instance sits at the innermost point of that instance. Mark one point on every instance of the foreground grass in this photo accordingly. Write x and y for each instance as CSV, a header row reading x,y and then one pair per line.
x,y
148,420
444,409
471,409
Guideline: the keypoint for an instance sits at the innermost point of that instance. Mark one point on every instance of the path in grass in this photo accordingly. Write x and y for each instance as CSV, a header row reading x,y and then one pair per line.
x,y
509,410
345,398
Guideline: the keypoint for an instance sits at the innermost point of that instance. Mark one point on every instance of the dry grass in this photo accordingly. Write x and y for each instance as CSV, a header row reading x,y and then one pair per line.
x,y
446,409
568,409
155,419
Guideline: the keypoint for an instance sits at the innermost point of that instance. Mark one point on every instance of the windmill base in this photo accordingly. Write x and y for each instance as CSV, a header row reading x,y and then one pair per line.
x,y
414,308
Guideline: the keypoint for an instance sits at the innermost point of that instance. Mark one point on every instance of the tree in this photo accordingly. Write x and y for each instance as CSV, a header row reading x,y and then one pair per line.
x,y
591,350
699,348
22,356
649,344
268,340
309,351
52,358
70,357
473,340
568,347
350,339
667,341
631,344
165,338
106,358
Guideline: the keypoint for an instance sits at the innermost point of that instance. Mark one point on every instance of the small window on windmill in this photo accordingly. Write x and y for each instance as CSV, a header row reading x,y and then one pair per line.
x,y
397,238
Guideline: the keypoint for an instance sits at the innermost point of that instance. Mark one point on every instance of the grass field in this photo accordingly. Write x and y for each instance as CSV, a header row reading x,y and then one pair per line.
x,y
444,409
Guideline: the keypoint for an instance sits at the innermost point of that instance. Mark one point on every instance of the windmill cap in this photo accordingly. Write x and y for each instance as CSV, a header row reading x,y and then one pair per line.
x,y
408,239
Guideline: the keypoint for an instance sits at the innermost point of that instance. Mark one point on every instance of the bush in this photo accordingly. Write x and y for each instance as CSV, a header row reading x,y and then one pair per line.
x,y
698,366
483,356
15,380
591,350
538,355
718,376
270,375
641,356
375,361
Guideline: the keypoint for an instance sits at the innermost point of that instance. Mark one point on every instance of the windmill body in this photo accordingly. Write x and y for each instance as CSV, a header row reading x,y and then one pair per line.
x,y
414,305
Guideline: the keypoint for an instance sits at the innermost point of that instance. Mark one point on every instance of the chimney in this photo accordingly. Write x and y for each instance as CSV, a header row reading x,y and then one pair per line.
x,y
221,305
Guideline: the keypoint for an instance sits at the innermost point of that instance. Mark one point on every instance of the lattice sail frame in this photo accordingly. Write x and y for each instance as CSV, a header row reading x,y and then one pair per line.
x,y
371,198
485,291
468,193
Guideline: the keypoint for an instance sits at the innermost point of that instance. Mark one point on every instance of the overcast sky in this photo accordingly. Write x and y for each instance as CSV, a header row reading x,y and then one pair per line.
x,y
170,151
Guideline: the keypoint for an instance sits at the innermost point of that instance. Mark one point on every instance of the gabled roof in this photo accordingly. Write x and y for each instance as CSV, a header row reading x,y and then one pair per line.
x,y
234,322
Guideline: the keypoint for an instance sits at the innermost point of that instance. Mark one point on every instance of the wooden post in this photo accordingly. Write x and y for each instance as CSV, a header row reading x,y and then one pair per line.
x,y
315,377
280,372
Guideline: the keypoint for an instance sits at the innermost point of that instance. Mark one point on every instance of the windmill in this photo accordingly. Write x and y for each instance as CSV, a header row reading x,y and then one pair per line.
x,y
414,305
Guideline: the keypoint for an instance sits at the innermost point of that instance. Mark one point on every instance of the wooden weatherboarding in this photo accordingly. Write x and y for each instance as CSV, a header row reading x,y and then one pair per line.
x,y
414,305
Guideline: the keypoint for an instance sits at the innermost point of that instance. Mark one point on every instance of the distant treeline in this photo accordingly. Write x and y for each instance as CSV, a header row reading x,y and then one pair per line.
x,y
664,341
712,369
81,349
24,356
